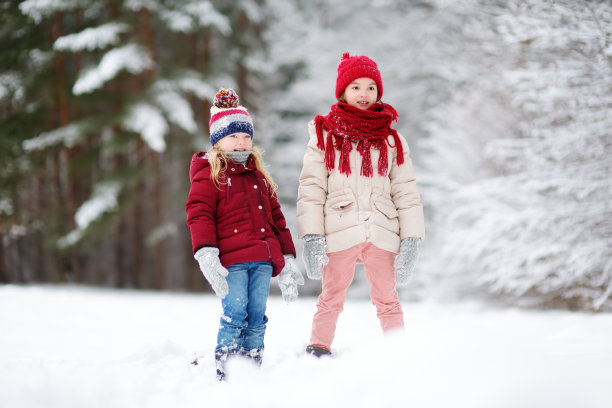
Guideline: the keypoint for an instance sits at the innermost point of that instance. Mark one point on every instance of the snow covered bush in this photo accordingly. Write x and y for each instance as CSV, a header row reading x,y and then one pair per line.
x,y
524,210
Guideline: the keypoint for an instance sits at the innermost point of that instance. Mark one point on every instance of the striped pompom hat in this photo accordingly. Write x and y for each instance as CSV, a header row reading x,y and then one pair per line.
x,y
227,116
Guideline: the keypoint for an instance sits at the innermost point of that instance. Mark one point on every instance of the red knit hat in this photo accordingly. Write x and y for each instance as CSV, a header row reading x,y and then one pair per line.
x,y
351,68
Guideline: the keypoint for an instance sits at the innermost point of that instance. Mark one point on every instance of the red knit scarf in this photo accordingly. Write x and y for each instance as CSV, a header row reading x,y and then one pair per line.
x,y
370,128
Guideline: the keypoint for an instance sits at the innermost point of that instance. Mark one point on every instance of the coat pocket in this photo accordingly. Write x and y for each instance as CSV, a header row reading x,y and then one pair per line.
x,y
340,213
386,216
339,204
387,208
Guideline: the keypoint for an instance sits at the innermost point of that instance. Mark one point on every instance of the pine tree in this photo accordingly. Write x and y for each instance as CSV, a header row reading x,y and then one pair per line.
x,y
121,89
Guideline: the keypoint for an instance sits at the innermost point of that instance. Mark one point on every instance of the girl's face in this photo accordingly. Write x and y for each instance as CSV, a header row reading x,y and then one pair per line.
x,y
235,142
361,93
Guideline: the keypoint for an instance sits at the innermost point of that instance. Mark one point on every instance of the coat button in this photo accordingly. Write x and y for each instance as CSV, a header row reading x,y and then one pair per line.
x,y
263,230
233,169
260,207
235,231
255,186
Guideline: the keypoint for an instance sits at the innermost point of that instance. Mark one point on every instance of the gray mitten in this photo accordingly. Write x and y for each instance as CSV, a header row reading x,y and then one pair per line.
x,y
406,260
314,255
289,279
214,272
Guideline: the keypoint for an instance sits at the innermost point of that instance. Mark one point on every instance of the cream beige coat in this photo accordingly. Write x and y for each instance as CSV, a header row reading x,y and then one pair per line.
x,y
355,209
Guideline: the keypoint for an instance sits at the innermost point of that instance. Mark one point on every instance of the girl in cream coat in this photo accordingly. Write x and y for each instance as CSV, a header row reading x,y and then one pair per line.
x,y
357,202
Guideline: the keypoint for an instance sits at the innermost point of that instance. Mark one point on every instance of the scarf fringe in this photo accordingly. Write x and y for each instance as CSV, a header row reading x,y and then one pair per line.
x,y
376,136
330,154
398,146
345,156
319,120
383,162
363,147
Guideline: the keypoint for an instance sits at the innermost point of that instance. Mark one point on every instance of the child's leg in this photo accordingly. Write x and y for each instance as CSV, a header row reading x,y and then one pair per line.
x,y
260,274
380,271
230,338
337,277
233,321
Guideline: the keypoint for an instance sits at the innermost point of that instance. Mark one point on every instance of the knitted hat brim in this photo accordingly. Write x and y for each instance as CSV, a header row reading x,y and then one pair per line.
x,y
230,128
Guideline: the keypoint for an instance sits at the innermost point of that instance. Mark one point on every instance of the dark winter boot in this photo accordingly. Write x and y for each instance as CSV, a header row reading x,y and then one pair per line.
x,y
317,351
255,355
220,359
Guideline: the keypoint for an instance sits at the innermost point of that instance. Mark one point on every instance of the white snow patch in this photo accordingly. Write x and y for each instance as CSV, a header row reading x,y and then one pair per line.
x,y
103,199
150,123
195,15
165,231
91,38
199,87
130,57
40,9
11,85
68,136
70,346
177,108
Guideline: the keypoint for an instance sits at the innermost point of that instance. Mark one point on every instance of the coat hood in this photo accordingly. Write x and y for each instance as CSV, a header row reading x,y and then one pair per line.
x,y
199,162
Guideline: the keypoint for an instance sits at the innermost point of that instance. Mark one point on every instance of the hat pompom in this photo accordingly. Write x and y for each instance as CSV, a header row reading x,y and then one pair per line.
x,y
226,98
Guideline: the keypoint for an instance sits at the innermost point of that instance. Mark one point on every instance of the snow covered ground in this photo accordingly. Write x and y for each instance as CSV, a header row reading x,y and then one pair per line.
x,y
81,347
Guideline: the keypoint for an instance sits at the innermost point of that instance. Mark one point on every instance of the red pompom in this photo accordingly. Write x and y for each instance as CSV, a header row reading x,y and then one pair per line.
x,y
226,98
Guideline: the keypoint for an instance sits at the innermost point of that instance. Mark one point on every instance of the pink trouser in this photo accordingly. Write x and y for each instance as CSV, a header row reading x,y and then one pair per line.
x,y
337,277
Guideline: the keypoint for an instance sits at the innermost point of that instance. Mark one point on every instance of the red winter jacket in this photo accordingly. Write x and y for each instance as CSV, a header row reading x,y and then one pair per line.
x,y
243,218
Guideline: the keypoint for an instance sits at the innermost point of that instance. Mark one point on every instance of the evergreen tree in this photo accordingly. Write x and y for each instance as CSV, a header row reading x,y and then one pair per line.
x,y
123,101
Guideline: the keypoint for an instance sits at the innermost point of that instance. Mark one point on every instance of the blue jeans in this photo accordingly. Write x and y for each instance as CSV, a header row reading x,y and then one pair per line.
x,y
243,324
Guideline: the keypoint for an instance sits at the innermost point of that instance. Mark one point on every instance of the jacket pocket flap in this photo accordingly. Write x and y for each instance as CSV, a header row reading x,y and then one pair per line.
x,y
387,208
342,205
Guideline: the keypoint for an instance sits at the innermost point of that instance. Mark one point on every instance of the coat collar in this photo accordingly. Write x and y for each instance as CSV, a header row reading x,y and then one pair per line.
x,y
236,168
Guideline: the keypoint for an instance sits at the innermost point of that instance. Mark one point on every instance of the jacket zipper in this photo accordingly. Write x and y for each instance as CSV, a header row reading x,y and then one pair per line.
x,y
268,248
228,193
265,241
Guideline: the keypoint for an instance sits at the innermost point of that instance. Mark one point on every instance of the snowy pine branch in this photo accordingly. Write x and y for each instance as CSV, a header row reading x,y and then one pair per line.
x,y
92,38
131,57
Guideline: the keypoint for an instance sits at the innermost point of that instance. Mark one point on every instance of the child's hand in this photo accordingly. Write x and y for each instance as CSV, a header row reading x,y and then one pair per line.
x,y
314,255
214,272
289,279
406,260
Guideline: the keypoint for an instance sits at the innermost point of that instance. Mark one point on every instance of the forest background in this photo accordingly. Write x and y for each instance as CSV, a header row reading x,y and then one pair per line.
x,y
506,107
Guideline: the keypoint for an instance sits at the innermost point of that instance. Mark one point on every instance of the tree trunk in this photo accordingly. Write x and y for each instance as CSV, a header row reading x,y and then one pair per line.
x,y
3,274
157,250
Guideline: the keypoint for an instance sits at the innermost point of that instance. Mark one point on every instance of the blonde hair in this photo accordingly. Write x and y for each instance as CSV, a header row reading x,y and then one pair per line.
x,y
218,164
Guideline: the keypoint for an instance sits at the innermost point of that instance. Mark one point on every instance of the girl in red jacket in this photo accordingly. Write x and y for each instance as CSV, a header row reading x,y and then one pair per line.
x,y
238,231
